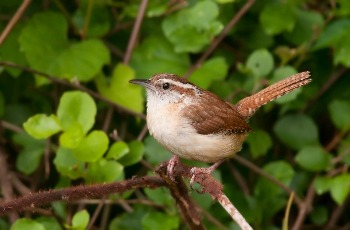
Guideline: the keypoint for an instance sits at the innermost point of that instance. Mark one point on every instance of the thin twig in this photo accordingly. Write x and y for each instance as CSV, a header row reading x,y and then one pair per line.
x,y
305,208
75,86
21,9
135,31
96,213
331,80
261,172
10,126
219,38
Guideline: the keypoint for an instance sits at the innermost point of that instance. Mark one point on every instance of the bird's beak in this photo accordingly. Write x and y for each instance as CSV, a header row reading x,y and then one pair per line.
x,y
142,82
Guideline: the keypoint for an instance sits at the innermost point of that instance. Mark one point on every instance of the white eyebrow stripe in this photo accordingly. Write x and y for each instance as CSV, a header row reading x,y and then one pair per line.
x,y
180,84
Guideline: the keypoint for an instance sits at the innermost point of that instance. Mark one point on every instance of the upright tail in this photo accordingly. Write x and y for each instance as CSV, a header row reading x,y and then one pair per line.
x,y
247,106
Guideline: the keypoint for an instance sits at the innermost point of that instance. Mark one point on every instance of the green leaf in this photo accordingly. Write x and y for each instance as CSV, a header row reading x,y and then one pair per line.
x,y
33,156
313,158
159,220
10,50
135,154
340,188
119,90
214,69
45,35
296,131
80,220
41,126
259,143
118,150
92,147
190,29
322,184
269,197
49,223
32,152
156,55
319,215
72,137
76,107
335,33
24,223
154,152
83,60
100,18
306,23
105,171
260,62
339,111
343,8
67,164
160,196
341,53
278,17
280,74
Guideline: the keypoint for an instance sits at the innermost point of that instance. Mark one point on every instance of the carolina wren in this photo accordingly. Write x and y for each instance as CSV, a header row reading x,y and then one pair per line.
x,y
195,124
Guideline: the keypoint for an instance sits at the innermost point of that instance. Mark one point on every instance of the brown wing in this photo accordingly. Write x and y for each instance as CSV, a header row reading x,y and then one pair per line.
x,y
213,115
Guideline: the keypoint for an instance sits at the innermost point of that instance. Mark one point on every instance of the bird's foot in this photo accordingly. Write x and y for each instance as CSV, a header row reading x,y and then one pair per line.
x,y
198,173
175,160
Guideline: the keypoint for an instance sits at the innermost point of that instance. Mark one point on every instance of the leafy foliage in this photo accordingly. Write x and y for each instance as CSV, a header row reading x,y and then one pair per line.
x,y
83,123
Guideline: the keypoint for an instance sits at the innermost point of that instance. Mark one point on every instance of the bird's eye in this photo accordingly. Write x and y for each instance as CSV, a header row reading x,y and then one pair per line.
x,y
166,85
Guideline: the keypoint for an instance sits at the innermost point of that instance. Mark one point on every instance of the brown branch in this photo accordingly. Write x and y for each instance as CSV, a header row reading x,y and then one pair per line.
x,y
261,172
209,185
21,9
75,86
78,192
135,31
219,38
305,208
180,193
6,186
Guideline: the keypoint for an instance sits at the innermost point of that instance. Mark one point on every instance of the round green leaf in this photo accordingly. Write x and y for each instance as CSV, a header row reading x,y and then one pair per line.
x,y
135,154
157,55
76,107
259,143
159,220
24,223
340,188
340,110
80,220
67,165
92,147
41,126
296,131
190,29
322,184
72,137
214,69
119,90
277,17
32,155
260,62
319,215
50,223
105,171
313,158
117,150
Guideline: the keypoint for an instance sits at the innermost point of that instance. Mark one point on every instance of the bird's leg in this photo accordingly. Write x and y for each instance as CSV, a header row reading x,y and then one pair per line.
x,y
171,166
197,170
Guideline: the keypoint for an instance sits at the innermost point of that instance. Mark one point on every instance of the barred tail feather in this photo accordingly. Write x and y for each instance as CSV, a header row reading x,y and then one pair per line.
x,y
247,106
